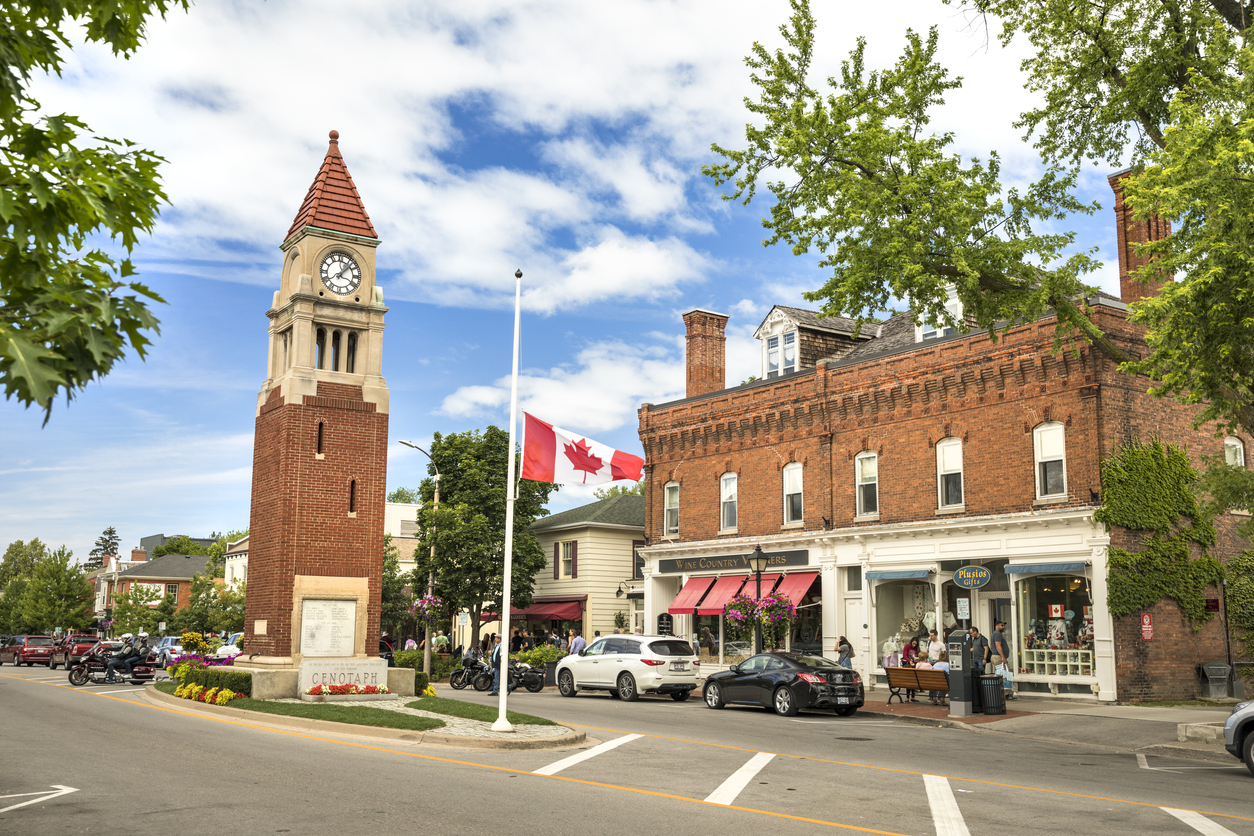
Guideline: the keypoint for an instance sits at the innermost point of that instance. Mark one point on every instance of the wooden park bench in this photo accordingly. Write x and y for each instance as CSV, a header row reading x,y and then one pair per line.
x,y
912,679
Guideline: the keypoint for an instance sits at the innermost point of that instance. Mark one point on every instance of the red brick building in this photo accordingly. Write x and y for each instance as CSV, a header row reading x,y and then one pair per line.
x,y
871,468
320,448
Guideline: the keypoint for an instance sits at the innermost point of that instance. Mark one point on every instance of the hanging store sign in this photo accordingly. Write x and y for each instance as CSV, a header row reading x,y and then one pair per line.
x,y
731,562
964,608
972,577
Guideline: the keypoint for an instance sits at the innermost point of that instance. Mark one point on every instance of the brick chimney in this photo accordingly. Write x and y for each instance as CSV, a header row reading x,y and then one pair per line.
x,y
1131,233
139,555
707,351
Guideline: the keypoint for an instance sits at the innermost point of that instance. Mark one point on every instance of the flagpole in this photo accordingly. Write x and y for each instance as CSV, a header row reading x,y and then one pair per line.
x,y
502,724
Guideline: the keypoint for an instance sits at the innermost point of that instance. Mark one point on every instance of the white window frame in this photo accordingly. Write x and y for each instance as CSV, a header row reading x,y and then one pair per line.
x,y
670,509
1234,451
780,344
859,484
1039,458
566,558
726,504
935,330
794,472
942,448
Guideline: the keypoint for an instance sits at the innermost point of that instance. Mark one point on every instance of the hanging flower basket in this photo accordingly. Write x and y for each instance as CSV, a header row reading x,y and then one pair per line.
x,y
773,612
429,610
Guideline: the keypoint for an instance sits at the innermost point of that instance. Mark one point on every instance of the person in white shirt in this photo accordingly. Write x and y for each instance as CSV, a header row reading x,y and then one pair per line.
x,y
934,645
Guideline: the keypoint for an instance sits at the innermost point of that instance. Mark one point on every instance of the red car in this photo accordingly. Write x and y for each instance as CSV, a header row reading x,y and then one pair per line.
x,y
28,649
70,649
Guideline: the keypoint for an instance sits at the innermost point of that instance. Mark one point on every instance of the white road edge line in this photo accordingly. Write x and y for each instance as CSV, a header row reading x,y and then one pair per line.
x,y
729,789
945,813
1198,822
56,792
554,768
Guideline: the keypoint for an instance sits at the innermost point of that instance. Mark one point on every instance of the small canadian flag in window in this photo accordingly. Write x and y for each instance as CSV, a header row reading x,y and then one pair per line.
x,y
1055,610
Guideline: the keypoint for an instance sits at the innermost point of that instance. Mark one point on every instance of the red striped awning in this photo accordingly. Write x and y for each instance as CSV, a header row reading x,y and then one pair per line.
x,y
794,586
561,611
724,590
688,597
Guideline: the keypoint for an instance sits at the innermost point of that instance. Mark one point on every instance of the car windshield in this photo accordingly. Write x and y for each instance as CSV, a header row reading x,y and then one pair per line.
x,y
815,662
671,647
39,641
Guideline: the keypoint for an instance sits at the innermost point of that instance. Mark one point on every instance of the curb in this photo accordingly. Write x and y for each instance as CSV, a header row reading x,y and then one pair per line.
x,y
571,738
935,722
1188,752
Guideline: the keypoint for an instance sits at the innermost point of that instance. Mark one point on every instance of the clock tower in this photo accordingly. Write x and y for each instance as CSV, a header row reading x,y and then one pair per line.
x,y
320,444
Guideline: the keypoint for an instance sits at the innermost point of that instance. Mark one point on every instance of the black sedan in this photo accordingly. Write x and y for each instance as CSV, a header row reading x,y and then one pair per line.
x,y
787,682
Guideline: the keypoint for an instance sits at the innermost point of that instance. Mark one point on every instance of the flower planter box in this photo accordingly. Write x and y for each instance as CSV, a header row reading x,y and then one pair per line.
x,y
346,697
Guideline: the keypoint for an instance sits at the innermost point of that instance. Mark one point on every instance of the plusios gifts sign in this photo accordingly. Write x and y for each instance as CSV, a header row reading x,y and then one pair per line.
x,y
972,577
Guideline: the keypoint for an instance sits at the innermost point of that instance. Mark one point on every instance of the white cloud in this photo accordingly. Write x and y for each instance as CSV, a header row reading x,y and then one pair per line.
x,y
599,392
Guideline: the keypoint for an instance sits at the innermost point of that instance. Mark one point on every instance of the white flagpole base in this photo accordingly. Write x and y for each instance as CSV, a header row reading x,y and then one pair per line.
x,y
503,725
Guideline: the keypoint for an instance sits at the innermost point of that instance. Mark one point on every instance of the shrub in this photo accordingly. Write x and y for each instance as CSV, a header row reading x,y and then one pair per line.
x,y
440,668
241,682
408,658
537,658
192,642
421,683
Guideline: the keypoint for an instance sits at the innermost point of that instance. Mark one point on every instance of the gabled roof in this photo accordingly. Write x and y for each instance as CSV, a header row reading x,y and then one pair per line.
x,y
168,567
332,201
621,511
842,325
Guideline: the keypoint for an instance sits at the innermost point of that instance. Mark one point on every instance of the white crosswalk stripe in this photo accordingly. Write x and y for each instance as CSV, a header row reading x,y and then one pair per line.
x,y
1198,822
729,789
945,813
558,766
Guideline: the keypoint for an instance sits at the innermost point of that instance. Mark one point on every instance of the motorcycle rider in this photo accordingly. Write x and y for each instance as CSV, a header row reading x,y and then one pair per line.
x,y
120,656
139,652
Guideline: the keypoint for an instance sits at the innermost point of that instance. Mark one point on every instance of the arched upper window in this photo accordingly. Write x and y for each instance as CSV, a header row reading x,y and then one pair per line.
x,y
793,505
867,474
670,520
320,341
350,357
1234,451
335,351
949,472
727,502
1049,446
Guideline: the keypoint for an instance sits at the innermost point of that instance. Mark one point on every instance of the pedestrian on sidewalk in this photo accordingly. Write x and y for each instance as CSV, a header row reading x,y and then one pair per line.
x,y
941,664
910,655
934,645
979,651
844,651
1007,678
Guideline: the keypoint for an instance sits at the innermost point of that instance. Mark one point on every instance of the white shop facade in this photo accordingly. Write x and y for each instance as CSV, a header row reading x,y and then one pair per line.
x,y
880,586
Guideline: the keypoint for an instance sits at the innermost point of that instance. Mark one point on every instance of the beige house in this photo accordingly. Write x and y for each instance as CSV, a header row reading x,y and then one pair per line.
x,y
593,570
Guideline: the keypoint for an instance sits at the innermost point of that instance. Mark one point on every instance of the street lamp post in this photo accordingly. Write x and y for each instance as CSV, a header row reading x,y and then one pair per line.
x,y
757,562
426,655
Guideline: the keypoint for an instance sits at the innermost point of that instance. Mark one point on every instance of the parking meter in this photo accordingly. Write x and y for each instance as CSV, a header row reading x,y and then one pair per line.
x,y
961,688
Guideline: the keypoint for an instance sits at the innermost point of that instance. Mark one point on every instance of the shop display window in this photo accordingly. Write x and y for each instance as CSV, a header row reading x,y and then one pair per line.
x,y
806,630
903,610
1055,626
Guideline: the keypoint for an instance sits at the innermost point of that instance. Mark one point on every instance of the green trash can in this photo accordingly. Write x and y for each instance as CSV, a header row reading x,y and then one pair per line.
x,y
993,693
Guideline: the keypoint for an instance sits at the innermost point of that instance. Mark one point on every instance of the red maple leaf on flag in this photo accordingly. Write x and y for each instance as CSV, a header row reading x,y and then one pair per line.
x,y
581,458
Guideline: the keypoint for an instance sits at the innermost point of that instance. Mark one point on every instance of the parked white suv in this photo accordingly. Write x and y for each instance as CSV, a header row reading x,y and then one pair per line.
x,y
628,666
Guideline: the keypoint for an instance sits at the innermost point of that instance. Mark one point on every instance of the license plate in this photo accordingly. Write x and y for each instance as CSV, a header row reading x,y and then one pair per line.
x,y
679,666
842,700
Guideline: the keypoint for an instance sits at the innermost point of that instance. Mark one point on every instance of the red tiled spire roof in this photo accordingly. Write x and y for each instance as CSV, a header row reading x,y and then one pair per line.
x,y
332,201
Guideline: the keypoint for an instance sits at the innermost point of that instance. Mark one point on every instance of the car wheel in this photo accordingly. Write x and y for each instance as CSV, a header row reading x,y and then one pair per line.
x,y
1247,750
846,711
566,684
785,703
52,664
680,696
713,695
627,688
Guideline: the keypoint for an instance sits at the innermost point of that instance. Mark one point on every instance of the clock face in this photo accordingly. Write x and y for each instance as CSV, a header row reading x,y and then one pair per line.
x,y
340,273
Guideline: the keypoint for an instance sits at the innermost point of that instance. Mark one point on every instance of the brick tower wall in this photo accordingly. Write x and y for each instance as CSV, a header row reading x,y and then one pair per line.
x,y
706,352
1130,233
300,523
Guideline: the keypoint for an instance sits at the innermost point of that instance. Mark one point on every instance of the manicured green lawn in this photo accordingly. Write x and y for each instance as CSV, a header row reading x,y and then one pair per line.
x,y
474,711
332,712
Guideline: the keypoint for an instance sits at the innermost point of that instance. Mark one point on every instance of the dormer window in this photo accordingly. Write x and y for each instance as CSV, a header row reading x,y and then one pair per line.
x,y
936,330
781,354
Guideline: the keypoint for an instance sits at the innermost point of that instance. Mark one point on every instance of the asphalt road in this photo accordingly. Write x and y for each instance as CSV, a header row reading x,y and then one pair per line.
x,y
99,760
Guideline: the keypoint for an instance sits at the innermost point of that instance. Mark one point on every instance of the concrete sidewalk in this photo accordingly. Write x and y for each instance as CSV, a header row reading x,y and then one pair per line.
x,y
1148,730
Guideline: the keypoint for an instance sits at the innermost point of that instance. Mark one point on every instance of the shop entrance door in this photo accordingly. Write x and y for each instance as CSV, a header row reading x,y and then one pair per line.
x,y
855,629
999,610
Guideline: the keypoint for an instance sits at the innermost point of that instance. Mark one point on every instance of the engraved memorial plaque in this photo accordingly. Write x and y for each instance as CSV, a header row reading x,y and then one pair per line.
x,y
328,627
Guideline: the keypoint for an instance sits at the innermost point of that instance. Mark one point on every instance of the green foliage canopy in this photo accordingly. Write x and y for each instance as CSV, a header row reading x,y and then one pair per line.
x,y
20,559
106,544
67,309
58,595
181,544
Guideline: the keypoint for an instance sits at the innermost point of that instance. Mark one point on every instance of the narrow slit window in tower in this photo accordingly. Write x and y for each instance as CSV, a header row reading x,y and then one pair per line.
x,y
320,431
321,345
352,496
335,351
350,358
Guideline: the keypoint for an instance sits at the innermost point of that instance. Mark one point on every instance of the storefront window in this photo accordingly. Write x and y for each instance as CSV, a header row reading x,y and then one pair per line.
x,y
1055,626
806,633
903,610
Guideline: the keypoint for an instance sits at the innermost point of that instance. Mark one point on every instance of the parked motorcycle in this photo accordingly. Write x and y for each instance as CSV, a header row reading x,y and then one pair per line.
x,y
472,667
93,668
520,673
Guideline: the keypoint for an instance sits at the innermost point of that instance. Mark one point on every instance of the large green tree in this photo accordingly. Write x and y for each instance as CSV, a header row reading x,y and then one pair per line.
x,y
20,559
58,595
106,544
181,544
217,551
860,179
133,610
68,308
12,613
468,529
397,596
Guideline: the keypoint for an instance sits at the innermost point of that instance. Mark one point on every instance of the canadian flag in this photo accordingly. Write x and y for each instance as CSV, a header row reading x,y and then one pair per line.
x,y
1055,610
552,454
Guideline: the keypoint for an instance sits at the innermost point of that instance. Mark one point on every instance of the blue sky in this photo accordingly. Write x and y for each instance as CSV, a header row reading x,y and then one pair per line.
x,y
565,139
